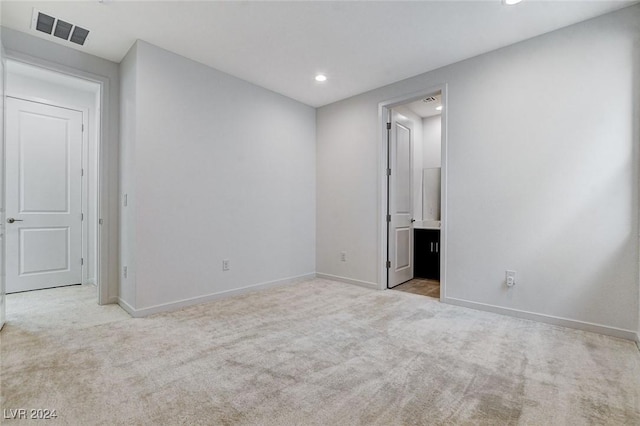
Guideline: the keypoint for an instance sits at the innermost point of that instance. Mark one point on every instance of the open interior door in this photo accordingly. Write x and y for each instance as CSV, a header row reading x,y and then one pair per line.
x,y
400,218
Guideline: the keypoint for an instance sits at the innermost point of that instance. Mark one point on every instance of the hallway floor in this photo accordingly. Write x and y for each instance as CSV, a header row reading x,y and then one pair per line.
x,y
430,288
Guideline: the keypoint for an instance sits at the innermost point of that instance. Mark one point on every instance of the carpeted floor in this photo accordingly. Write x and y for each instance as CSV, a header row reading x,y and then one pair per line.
x,y
318,352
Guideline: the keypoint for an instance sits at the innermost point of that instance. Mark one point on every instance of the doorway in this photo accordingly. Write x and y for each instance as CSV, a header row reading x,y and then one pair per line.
x,y
51,179
413,184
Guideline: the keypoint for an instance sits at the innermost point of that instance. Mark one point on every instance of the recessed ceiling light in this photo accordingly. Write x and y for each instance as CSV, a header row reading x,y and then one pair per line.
x,y
439,108
511,2
321,78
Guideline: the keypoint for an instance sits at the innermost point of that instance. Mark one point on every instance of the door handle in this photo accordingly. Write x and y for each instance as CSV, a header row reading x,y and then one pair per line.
x,y
413,220
11,220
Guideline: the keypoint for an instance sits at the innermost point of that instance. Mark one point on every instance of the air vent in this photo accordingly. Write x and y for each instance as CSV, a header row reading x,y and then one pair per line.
x,y
45,23
429,99
79,35
63,29
58,28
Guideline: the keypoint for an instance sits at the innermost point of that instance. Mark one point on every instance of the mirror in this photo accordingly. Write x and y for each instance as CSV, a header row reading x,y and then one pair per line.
x,y
431,193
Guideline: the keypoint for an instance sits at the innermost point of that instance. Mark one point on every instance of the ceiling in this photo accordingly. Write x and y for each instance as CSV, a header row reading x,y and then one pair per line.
x,y
426,106
281,46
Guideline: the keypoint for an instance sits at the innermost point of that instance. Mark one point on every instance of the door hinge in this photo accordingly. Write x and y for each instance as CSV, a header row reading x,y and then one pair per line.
x,y
388,126
388,264
82,261
81,172
388,218
99,221
83,127
388,172
81,217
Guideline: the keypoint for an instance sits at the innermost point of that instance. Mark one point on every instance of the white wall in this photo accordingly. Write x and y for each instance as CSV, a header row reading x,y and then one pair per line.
x,y
432,141
26,82
542,176
128,136
220,169
54,56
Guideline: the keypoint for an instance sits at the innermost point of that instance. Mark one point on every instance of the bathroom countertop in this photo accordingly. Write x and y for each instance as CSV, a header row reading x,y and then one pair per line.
x,y
426,224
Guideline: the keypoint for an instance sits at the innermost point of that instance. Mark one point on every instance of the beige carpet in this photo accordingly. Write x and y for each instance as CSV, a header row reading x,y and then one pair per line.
x,y
318,352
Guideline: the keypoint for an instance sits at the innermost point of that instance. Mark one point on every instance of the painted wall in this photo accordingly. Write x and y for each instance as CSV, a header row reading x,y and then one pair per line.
x,y
26,82
432,141
542,176
221,169
50,55
128,137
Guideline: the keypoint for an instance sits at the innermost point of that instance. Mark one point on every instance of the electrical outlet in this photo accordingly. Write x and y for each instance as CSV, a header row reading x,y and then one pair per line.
x,y
511,278
343,256
225,265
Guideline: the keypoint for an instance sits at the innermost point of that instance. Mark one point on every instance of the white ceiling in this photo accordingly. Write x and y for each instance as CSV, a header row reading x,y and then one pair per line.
x,y
282,45
426,109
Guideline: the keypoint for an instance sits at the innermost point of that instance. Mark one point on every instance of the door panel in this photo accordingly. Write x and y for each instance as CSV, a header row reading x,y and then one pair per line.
x,y
400,203
402,185
44,250
43,195
44,175
402,252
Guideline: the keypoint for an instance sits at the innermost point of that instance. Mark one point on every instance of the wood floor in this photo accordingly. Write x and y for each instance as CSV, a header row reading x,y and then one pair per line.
x,y
430,288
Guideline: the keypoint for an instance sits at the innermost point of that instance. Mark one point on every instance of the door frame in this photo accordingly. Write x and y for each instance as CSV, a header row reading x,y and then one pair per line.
x,y
384,111
103,228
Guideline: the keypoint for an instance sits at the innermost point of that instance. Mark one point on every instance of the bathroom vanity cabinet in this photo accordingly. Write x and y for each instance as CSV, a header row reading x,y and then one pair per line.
x,y
426,254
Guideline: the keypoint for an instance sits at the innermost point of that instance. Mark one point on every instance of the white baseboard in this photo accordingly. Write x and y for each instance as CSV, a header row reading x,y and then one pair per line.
x,y
638,341
112,299
365,284
548,319
172,306
127,307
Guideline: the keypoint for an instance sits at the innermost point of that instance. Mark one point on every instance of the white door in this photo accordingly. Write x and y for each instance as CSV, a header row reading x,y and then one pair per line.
x,y
43,196
3,290
400,203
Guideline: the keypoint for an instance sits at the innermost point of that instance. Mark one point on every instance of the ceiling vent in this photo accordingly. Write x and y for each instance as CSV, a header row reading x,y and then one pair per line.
x,y
429,99
58,28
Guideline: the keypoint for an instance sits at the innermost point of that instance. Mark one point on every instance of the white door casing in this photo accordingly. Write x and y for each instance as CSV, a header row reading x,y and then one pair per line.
x,y
43,194
400,202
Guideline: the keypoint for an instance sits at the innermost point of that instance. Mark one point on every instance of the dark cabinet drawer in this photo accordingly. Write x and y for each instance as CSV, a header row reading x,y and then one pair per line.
x,y
426,254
